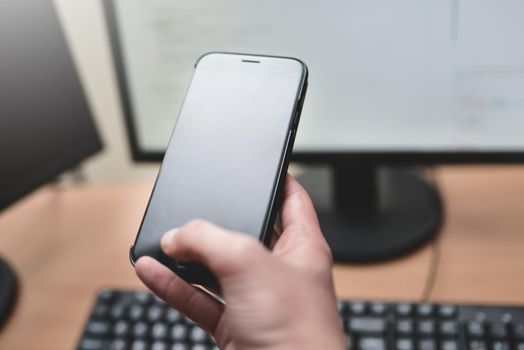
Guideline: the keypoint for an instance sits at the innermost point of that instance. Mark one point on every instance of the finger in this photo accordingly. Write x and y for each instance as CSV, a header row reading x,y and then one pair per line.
x,y
173,290
224,252
302,241
297,208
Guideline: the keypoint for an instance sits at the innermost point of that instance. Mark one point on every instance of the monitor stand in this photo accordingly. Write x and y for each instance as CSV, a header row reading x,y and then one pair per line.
x,y
8,291
370,213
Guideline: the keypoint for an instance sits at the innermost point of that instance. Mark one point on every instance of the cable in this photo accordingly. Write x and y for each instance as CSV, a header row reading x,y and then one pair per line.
x,y
434,261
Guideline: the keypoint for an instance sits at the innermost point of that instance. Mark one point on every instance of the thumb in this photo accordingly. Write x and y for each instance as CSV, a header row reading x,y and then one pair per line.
x,y
224,252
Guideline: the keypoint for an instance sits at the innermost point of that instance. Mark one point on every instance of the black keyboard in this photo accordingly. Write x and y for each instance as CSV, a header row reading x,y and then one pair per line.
x,y
140,321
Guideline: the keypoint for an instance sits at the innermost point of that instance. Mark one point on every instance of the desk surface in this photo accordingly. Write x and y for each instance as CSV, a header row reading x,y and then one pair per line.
x,y
66,243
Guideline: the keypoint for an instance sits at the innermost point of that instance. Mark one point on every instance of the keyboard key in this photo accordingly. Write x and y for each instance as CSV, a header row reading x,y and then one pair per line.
x,y
139,345
154,313
179,332
500,345
121,329
475,329
159,345
367,325
143,298
179,346
404,309
405,344
91,344
447,311
118,344
498,330
199,347
448,328
404,327
378,309
125,298
426,328
136,312
98,328
449,345
100,310
477,345
117,311
159,331
357,308
425,310
172,315
371,343
140,330
427,344
197,335
106,295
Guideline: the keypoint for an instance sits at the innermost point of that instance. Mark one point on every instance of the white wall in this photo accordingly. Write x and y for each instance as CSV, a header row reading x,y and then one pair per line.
x,y
85,27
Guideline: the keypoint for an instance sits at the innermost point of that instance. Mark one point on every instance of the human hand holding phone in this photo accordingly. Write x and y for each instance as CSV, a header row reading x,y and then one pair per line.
x,y
282,298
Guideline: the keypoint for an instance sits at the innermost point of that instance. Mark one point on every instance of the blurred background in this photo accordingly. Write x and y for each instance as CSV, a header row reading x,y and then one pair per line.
x,y
86,32
410,81
410,143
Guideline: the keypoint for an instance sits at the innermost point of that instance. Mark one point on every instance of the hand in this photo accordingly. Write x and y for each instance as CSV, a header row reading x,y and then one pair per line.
x,y
282,298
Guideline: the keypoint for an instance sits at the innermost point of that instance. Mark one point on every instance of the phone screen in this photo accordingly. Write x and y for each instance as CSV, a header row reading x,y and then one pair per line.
x,y
226,152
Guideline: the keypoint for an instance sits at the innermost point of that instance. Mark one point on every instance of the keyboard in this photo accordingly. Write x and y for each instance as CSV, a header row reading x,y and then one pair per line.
x,y
138,320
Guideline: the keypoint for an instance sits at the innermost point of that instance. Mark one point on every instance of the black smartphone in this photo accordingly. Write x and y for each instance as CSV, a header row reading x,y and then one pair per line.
x,y
227,158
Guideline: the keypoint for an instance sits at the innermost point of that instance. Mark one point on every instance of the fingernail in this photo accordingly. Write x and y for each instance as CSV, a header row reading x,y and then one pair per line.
x,y
166,243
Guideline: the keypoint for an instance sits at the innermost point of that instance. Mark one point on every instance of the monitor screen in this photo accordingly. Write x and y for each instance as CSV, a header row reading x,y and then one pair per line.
x,y
45,123
385,76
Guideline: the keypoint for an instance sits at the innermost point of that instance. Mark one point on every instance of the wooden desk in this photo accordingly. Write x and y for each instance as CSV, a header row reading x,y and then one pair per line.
x,y
68,243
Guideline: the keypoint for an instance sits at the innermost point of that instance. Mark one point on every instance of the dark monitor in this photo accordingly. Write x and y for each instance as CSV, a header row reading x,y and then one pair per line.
x,y
45,123
391,83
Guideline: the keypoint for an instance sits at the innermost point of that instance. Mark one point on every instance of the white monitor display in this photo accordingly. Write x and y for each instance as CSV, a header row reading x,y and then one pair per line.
x,y
385,76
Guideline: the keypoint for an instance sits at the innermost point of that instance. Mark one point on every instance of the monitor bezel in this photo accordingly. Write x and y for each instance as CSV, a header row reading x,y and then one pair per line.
x,y
49,173
70,158
320,157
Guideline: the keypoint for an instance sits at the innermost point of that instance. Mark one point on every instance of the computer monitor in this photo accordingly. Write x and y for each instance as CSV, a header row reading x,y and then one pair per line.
x,y
45,122
391,83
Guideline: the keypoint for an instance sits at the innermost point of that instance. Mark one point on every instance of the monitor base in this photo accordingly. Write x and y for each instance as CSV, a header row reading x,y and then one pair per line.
x,y
8,291
370,214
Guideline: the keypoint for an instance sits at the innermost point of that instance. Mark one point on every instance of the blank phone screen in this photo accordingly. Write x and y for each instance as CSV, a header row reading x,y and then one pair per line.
x,y
227,148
